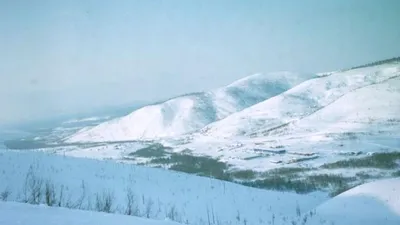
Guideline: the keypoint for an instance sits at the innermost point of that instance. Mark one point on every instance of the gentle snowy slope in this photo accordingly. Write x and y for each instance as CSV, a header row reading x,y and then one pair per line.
x,y
189,198
369,204
309,97
12,213
193,111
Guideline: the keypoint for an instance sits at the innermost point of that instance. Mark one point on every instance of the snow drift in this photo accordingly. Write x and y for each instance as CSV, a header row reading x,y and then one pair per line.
x,y
368,204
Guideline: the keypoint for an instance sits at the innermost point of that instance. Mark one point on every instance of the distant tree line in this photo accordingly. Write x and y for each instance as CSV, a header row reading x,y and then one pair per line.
x,y
391,60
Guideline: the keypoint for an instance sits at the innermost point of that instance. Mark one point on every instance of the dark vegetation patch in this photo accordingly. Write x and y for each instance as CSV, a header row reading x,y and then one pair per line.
x,y
391,60
302,185
199,165
295,179
244,174
364,175
255,157
396,173
386,160
287,171
154,150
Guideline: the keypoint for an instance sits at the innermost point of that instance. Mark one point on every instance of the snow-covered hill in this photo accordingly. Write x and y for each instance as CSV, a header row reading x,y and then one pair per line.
x,y
324,118
191,112
153,193
321,103
12,213
369,204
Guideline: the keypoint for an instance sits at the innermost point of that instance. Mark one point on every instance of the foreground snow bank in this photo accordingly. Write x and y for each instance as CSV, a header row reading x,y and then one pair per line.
x,y
146,192
369,204
12,213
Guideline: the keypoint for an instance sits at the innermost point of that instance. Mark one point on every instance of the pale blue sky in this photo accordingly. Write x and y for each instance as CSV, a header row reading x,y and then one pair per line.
x,y
68,56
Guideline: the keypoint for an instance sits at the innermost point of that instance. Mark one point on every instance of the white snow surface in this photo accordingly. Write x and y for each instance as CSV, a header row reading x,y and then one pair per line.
x,y
328,118
191,112
13,213
368,204
331,117
194,199
88,119
333,98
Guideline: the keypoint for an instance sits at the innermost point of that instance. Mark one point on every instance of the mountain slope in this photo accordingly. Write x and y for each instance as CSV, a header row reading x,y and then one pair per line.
x,y
309,98
369,204
191,112
372,108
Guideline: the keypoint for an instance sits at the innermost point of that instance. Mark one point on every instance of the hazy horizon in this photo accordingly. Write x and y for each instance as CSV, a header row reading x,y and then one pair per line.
x,y
66,57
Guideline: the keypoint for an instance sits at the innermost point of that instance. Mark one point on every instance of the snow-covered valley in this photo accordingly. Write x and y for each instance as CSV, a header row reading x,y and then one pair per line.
x,y
280,143
305,120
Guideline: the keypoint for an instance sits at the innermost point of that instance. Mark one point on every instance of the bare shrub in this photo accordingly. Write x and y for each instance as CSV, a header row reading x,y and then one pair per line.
x,y
298,211
61,197
211,218
32,189
79,202
173,214
104,202
49,193
5,194
149,207
132,207
238,216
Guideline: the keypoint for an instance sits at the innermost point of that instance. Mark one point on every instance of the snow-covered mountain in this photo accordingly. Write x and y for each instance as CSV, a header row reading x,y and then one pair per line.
x,y
325,118
191,112
339,102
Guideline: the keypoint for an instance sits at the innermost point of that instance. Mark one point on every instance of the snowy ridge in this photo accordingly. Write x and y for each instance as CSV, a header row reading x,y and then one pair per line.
x,y
308,98
191,112
88,119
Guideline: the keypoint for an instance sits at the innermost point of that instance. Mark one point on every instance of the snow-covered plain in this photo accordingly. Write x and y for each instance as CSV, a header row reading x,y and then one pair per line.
x,y
12,213
191,112
157,192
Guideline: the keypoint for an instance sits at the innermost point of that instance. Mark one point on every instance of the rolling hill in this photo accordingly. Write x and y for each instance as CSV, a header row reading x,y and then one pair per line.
x,y
191,112
350,96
